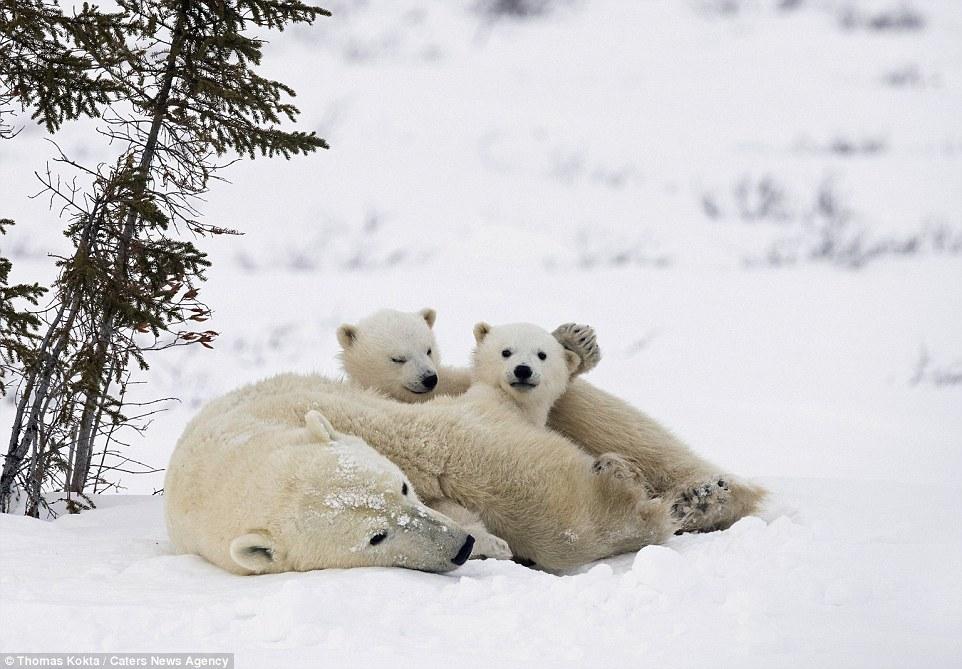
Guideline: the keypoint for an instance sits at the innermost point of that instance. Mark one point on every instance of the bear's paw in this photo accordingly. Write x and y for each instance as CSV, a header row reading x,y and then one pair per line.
x,y
582,340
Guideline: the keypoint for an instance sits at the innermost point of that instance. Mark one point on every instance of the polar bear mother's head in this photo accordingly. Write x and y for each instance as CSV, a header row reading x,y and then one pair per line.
x,y
340,503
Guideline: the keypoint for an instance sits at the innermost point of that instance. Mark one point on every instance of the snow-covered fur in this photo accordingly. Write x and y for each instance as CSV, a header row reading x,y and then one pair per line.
x,y
533,488
522,366
256,495
703,497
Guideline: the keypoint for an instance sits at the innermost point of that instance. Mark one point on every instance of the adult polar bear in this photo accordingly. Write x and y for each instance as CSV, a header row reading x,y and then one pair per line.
x,y
255,496
533,488
395,352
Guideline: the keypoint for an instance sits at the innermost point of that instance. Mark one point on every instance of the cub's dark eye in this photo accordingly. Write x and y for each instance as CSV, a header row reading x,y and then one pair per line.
x,y
404,488
506,353
378,538
542,355
399,361
429,351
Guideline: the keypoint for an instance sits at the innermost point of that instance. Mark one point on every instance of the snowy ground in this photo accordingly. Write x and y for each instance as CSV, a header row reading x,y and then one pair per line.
x,y
758,205
841,576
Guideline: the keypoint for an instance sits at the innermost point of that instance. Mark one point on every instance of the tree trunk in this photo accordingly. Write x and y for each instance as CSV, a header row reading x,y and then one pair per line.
x,y
37,381
23,437
90,417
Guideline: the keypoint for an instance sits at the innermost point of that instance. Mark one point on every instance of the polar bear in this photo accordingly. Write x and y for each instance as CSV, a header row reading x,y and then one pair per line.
x,y
532,487
703,497
394,352
524,368
521,369
521,366
255,497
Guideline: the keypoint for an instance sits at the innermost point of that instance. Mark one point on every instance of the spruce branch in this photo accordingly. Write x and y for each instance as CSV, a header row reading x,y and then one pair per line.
x,y
176,87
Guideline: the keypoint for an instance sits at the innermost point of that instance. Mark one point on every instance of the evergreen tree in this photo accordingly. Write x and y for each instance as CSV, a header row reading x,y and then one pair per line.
x,y
176,84
18,329
40,71
43,65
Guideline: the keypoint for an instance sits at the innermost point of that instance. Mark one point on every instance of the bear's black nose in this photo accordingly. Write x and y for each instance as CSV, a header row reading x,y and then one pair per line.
x,y
522,372
430,381
465,552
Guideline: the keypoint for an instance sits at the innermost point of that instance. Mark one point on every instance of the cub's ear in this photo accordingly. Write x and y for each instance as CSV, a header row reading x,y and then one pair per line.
x,y
429,315
481,331
347,335
320,427
573,360
254,551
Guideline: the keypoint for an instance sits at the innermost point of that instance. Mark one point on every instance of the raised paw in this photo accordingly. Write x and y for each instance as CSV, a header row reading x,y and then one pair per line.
x,y
582,340
700,508
612,464
488,546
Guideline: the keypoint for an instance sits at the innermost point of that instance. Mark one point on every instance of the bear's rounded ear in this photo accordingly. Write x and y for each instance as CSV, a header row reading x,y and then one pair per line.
x,y
254,551
429,315
573,360
347,335
320,427
481,331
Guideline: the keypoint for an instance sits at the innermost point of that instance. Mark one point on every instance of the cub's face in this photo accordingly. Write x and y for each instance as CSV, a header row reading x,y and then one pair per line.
x,y
392,351
350,507
523,360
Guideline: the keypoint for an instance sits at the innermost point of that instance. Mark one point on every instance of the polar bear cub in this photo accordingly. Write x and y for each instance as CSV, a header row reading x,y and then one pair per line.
x,y
525,367
522,365
392,351
597,421
255,496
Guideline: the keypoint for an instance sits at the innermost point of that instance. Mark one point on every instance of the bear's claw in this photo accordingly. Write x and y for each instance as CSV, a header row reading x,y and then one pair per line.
x,y
612,464
582,340
693,506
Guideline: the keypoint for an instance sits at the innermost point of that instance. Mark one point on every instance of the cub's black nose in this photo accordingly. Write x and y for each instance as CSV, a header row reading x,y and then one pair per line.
x,y
522,372
465,552
430,381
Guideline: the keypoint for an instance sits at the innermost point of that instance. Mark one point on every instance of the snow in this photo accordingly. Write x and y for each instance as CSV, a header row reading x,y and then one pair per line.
x,y
666,171
837,575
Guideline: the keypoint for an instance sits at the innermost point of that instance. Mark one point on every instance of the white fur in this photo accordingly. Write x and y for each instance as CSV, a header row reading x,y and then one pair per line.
x,y
502,350
370,354
249,464
395,346
255,495
601,424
